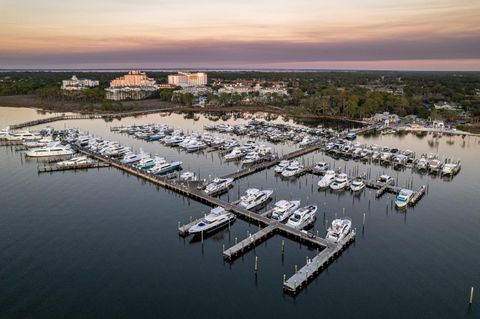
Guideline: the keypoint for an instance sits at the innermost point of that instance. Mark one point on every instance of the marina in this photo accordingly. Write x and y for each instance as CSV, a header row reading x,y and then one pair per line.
x,y
247,245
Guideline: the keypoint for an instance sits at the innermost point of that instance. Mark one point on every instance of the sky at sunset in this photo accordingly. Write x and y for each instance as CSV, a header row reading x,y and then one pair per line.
x,y
340,34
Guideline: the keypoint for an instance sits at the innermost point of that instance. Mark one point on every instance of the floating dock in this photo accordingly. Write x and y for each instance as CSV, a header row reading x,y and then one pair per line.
x,y
58,168
301,278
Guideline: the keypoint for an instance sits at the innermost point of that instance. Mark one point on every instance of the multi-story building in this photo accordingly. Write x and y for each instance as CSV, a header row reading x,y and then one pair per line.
x,y
135,85
188,79
76,84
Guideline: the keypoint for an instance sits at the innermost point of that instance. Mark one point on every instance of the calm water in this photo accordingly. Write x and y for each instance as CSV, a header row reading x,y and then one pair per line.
x,y
103,244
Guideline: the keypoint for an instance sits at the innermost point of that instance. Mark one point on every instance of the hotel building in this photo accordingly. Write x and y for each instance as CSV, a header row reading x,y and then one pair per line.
x,y
133,86
188,79
76,84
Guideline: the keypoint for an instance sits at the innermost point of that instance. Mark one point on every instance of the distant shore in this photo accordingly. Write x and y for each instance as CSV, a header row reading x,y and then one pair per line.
x,y
33,101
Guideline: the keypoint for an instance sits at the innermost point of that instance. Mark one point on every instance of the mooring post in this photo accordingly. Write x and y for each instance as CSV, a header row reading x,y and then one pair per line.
x,y
363,219
256,263
471,295
283,246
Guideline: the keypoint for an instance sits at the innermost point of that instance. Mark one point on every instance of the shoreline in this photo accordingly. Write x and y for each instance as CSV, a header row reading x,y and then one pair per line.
x,y
153,105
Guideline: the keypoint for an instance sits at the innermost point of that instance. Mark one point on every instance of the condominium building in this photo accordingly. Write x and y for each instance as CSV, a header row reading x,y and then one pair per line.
x,y
76,84
135,85
188,79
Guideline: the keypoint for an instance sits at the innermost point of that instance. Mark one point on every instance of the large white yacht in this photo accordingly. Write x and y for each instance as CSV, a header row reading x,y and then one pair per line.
x,y
403,198
284,208
327,179
292,169
130,158
340,182
281,166
55,149
235,154
451,168
338,230
22,136
302,217
357,184
217,219
218,185
75,161
254,197
251,158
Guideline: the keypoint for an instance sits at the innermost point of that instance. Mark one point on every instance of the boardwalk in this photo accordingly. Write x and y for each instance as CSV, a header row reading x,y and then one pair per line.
x,y
299,280
58,168
249,242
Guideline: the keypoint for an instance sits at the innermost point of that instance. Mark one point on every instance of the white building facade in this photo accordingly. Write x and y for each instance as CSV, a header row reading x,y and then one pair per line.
x,y
188,79
76,84
135,85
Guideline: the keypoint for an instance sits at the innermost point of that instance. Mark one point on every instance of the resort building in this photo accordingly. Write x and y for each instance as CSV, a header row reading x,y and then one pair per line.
x,y
133,86
188,79
76,84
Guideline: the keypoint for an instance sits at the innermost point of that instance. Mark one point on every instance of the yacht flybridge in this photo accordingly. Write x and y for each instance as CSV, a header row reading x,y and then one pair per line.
x,y
254,197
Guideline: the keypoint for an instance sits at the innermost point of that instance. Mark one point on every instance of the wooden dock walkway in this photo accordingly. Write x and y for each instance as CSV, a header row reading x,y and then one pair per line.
x,y
383,188
58,168
249,242
300,279
418,195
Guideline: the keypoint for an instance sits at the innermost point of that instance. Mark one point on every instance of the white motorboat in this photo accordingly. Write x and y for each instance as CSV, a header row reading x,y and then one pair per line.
x,y
39,143
216,219
403,198
321,167
188,176
235,154
163,167
130,158
218,185
284,208
385,179
254,197
76,161
293,169
54,149
195,146
338,230
451,168
281,166
4,133
251,158
422,164
302,217
435,166
327,179
340,182
357,184
22,136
